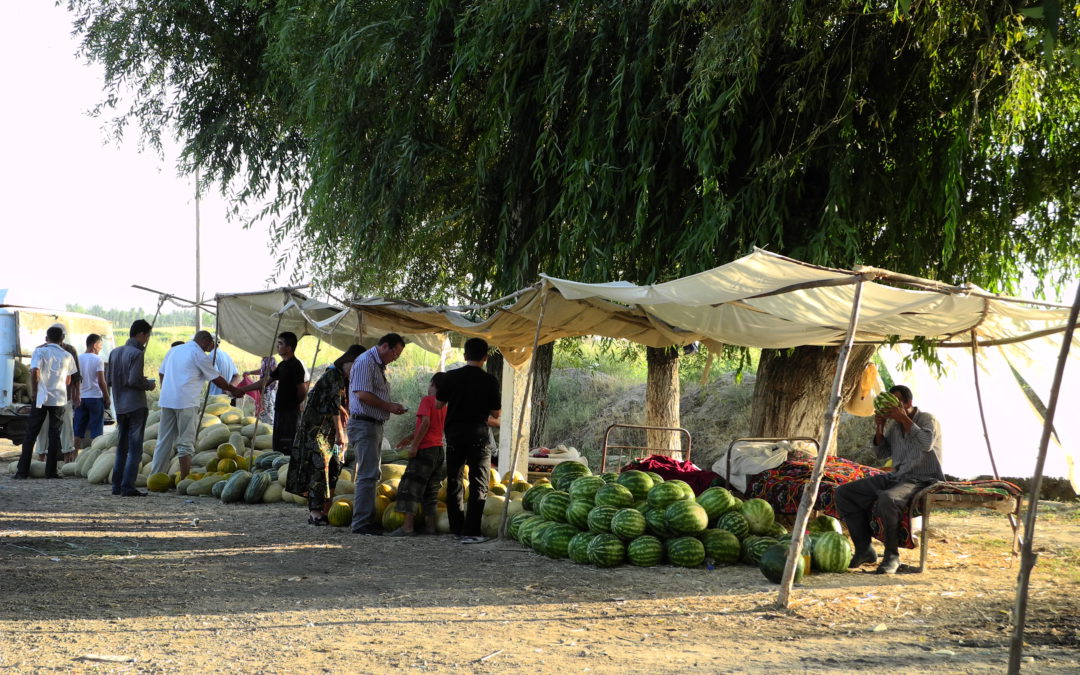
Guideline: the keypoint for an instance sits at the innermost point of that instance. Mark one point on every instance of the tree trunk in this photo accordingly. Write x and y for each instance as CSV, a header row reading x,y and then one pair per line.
x,y
791,394
542,373
662,398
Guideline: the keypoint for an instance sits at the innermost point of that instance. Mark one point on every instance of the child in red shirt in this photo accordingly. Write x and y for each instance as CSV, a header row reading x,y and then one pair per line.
x,y
419,487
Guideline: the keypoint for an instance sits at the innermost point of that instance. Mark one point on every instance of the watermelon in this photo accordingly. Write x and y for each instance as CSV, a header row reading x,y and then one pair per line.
x,y
584,488
825,524
235,486
525,528
615,495
664,495
610,477
537,540
773,560
218,489
716,501
578,513
776,530
645,551
759,515
553,505
515,522
557,540
685,552
600,519
656,521
606,550
529,501
752,548
578,548
735,523
721,546
566,473
686,517
832,552
642,506
656,478
684,487
637,482
628,524
256,487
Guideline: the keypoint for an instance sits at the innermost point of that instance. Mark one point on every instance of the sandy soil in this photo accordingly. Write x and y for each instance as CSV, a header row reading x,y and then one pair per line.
x,y
175,584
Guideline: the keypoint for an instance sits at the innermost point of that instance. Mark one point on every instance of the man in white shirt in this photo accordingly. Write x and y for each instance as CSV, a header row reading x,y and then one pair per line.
x,y
224,364
94,396
51,369
182,374
67,435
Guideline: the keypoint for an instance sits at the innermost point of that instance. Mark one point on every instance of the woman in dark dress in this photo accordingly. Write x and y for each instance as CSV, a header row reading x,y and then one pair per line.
x,y
320,438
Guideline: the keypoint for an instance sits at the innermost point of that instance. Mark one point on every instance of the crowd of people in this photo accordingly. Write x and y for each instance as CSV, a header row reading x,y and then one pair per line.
x,y
343,414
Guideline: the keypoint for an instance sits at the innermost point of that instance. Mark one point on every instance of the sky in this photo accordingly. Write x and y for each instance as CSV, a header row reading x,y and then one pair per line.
x,y
89,216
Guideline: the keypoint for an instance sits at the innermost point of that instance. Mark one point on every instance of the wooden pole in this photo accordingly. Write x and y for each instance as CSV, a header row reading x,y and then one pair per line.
x,y
198,258
521,413
810,491
982,412
1027,557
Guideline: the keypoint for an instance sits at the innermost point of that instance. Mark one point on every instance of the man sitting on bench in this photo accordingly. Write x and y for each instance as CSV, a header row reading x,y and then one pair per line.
x,y
913,441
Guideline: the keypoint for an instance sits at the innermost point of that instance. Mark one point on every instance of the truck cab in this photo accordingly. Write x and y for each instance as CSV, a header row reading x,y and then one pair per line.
x,y
22,329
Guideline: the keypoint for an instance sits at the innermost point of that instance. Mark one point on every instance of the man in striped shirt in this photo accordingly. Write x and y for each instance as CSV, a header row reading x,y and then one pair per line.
x,y
912,439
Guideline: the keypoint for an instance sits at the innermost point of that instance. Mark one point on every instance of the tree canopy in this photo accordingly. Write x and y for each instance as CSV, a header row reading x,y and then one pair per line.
x,y
445,145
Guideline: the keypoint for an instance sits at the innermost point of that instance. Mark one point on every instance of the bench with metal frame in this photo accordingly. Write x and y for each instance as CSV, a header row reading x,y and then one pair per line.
x,y
645,451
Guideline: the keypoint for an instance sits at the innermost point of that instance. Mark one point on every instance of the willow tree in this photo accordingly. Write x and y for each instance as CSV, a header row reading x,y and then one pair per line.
x,y
433,145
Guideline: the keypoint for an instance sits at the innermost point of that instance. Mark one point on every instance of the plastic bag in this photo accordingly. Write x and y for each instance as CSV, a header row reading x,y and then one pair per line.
x,y
870,385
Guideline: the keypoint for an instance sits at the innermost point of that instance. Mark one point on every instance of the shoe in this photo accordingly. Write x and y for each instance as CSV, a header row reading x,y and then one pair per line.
x,y
400,533
368,531
867,557
889,565
319,520
18,476
116,493
474,540
133,493
54,476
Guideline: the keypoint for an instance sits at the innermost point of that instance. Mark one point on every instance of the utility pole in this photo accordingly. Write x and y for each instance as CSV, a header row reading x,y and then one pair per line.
x,y
198,251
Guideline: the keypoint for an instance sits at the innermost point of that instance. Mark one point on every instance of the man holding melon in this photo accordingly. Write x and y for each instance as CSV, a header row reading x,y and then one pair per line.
x,y
911,438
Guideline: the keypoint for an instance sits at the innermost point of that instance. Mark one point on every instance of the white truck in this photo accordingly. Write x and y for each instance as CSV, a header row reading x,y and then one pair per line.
x,y
22,329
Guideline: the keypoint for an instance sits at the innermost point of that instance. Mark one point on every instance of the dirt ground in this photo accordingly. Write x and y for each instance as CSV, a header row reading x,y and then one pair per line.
x,y
95,583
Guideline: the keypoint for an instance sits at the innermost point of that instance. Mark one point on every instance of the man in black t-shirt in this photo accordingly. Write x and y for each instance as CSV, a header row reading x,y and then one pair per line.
x,y
291,392
474,404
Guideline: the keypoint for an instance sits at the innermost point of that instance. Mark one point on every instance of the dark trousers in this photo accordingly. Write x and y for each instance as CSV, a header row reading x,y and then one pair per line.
x,y
55,415
856,502
476,452
129,439
285,422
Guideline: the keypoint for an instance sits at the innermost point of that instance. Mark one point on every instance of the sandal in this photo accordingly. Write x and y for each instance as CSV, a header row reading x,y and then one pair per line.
x,y
321,520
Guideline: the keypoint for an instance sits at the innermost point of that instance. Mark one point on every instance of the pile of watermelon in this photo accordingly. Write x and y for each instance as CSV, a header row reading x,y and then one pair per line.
x,y
637,517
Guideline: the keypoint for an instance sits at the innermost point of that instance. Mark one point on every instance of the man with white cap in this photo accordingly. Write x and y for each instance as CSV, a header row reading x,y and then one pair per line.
x,y
51,371
67,431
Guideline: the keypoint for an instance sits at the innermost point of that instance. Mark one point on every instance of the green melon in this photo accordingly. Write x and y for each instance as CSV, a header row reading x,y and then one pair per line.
x,y
628,524
606,550
340,513
217,489
642,506
686,517
533,495
615,495
721,546
664,495
825,524
610,477
735,523
656,521
525,528
773,560
578,549
716,501
565,473
538,538
637,482
557,540
553,505
832,552
777,530
235,486
656,478
256,487
584,488
752,548
759,515
685,552
645,551
687,491
515,522
600,519
578,513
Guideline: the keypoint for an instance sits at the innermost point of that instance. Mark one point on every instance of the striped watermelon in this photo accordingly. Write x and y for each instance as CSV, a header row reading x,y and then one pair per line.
x,y
578,513
578,549
537,536
664,495
628,524
759,515
566,473
606,550
685,552
657,523
638,482
752,548
776,530
832,552
733,522
553,505
716,501
642,506
656,478
825,524
721,546
525,529
687,491
584,488
686,517
600,519
645,551
533,495
515,522
557,540
615,495
773,560
610,477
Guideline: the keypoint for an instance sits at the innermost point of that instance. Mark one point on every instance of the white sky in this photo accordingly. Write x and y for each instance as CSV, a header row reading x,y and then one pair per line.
x,y
92,217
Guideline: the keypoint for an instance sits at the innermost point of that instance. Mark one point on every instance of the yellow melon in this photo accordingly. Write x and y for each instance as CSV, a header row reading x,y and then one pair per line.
x,y
241,462
381,502
212,465
340,513
345,475
386,489
388,471
159,482
226,451
226,465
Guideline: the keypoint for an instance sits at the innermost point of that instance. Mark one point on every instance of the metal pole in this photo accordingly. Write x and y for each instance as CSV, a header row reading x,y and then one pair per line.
x,y
1027,558
198,254
810,491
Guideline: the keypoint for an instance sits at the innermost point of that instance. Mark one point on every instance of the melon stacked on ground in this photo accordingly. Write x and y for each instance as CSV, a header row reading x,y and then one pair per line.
x,y
639,518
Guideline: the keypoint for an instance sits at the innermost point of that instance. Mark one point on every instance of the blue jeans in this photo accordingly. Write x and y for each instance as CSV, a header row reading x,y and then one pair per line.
x,y
90,418
365,442
129,440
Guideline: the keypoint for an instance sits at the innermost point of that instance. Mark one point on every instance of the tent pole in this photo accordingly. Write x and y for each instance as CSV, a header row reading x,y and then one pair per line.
x,y
1027,557
982,412
521,414
157,313
810,491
